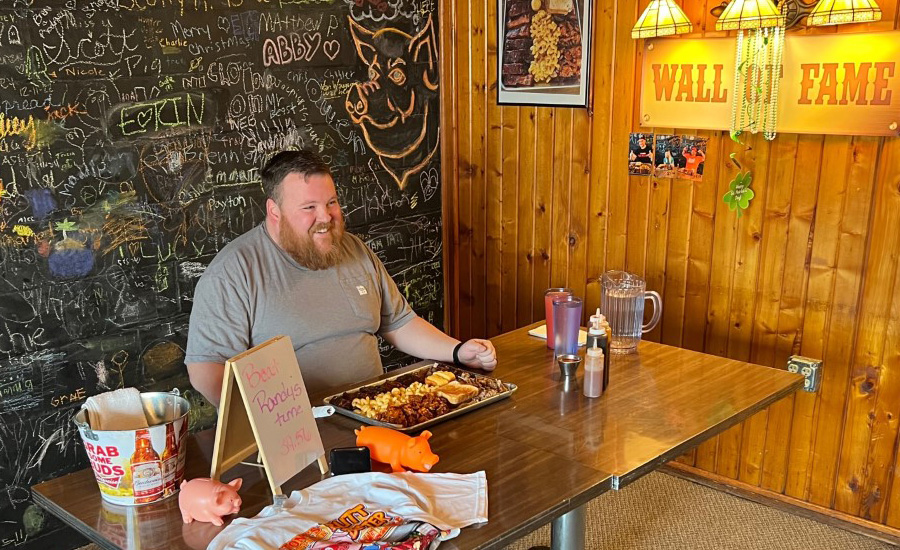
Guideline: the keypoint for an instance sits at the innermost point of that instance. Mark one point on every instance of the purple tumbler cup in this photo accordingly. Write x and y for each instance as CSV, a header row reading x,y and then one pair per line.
x,y
566,323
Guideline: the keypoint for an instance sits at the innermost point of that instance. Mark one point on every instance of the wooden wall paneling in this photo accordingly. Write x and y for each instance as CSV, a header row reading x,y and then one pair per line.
x,y
510,220
892,366
860,420
820,293
764,335
638,217
853,236
604,85
676,254
882,265
562,197
493,181
467,170
449,165
724,244
743,292
639,187
774,235
795,277
580,198
622,114
479,120
699,263
657,245
526,292
543,201
702,241
886,223
696,12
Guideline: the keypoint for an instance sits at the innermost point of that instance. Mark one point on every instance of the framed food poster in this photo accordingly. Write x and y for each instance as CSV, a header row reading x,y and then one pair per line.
x,y
544,55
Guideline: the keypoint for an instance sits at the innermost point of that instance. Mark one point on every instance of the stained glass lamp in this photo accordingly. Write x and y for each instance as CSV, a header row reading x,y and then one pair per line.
x,y
749,14
661,18
837,12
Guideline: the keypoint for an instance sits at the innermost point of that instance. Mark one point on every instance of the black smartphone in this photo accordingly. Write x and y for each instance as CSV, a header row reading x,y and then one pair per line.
x,y
350,460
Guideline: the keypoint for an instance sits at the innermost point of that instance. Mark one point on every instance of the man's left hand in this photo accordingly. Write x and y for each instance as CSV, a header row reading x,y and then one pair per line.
x,y
479,354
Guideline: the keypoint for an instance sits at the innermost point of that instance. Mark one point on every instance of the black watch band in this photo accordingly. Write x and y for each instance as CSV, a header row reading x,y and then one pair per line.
x,y
456,360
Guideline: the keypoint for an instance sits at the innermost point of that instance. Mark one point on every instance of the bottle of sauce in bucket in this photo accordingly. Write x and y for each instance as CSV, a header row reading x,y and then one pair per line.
x,y
146,469
169,461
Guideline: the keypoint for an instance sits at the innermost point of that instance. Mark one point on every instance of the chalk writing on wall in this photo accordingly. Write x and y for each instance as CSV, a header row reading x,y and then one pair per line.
x,y
131,137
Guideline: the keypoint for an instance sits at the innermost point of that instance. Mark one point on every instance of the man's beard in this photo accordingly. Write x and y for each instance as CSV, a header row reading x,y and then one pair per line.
x,y
303,248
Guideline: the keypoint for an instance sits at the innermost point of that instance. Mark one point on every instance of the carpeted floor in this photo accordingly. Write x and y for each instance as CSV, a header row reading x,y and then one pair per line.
x,y
661,512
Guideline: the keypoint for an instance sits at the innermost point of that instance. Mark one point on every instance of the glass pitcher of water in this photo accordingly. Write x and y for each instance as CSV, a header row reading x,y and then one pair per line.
x,y
622,302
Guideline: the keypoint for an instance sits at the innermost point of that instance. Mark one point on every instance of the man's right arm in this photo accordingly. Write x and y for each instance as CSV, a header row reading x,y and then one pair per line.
x,y
207,379
219,328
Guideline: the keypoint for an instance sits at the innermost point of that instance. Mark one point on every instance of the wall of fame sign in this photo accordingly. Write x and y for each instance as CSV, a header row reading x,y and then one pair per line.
x,y
829,84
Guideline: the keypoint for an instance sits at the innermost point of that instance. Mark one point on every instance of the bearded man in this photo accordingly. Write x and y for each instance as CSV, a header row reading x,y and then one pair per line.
x,y
299,273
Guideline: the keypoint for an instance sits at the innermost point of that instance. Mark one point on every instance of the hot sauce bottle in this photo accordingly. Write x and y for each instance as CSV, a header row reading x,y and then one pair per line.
x,y
593,372
169,461
600,334
146,469
604,345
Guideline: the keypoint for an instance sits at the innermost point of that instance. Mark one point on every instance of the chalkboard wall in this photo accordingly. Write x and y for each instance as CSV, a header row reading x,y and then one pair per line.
x,y
131,135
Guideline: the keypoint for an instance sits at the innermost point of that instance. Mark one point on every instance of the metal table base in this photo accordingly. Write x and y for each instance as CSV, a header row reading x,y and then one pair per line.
x,y
567,531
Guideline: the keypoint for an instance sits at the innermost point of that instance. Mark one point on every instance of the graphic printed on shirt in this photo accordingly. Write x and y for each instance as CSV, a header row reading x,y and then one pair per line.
x,y
358,529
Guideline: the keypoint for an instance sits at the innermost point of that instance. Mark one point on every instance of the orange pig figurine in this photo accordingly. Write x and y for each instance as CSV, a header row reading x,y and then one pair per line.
x,y
206,499
397,449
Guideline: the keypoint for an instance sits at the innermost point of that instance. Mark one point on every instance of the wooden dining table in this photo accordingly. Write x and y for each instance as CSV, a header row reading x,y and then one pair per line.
x,y
547,450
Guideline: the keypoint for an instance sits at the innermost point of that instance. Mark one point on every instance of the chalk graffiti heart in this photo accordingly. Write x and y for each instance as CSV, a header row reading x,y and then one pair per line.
x,y
313,41
429,181
331,48
144,117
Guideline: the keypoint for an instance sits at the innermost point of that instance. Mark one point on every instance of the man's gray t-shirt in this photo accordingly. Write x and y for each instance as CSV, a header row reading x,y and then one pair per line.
x,y
253,291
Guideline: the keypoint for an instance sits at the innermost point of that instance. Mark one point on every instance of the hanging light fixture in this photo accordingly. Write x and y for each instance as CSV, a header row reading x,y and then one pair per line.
x,y
757,72
749,14
661,18
837,12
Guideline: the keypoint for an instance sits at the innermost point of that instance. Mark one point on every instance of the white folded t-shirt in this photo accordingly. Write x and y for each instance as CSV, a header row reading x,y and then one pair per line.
x,y
362,510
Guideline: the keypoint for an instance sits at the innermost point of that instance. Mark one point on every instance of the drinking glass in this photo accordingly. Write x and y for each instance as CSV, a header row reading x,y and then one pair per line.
x,y
566,323
622,302
549,295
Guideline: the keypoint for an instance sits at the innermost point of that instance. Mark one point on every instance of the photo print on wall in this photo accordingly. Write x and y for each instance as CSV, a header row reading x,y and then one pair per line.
x,y
667,155
693,153
640,154
544,51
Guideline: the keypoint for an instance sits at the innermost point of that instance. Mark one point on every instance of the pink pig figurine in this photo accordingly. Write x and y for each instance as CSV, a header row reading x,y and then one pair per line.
x,y
206,499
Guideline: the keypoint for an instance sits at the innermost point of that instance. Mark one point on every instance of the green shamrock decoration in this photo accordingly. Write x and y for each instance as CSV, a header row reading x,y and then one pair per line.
x,y
739,194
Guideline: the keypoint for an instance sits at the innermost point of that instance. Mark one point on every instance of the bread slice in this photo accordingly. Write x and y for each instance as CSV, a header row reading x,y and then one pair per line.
x,y
457,393
559,7
440,378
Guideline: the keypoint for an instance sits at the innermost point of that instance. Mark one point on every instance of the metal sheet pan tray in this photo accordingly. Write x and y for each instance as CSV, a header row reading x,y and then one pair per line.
x,y
339,400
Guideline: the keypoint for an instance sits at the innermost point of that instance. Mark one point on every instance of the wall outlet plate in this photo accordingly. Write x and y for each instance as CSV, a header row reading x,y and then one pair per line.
x,y
809,368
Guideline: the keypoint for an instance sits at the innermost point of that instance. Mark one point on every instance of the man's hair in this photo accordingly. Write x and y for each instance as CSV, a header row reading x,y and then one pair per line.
x,y
305,163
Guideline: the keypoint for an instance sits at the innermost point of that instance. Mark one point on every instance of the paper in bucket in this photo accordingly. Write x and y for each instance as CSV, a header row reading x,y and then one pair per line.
x,y
135,467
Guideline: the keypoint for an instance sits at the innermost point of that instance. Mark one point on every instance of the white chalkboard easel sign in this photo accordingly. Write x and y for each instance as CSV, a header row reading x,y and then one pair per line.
x,y
272,416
